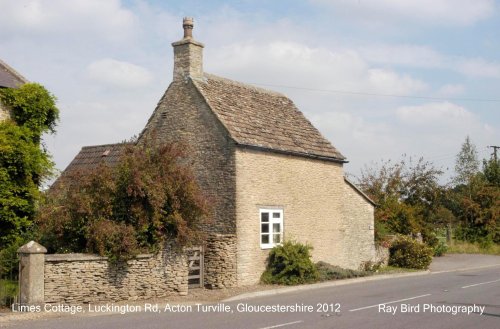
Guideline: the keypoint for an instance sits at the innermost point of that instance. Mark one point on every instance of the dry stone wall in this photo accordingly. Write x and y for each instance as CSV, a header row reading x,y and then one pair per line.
x,y
80,278
220,261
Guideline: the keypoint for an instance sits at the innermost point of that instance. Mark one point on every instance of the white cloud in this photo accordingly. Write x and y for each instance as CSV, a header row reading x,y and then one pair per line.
x,y
478,67
451,90
436,113
428,58
119,74
107,19
394,83
294,64
404,54
438,12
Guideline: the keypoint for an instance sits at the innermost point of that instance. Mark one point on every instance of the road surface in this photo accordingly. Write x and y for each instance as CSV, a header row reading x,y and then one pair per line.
x,y
464,299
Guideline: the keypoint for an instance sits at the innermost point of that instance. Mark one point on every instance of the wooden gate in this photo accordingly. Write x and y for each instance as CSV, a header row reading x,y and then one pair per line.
x,y
195,267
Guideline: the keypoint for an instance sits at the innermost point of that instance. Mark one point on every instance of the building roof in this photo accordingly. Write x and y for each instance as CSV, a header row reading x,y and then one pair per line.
x,y
359,191
264,119
10,78
90,157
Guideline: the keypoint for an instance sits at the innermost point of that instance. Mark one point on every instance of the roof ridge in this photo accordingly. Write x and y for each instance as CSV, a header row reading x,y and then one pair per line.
x,y
113,144
13,72
244,85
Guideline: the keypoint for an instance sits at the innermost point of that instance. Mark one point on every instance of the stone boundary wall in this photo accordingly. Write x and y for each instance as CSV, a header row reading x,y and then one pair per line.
x,y
382,255
220,261
83,278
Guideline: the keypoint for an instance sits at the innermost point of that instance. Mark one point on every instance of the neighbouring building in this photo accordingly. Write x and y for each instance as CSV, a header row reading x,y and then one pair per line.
x,y
9,78
270,173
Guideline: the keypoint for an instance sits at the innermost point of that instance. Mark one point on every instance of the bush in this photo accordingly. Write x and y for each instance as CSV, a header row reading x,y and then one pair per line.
x,y
440,249
372,266
115,240
290,264
333,272
409,253
150,196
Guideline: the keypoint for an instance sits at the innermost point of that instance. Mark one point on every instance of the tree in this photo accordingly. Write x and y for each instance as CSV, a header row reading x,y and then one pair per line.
x,y
466,163
24,163
475,199
477,206
408,196
148,198
491,172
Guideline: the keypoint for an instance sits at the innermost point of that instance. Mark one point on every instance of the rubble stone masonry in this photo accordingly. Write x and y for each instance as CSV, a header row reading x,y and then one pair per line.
x,y
81,278
319,208
220,261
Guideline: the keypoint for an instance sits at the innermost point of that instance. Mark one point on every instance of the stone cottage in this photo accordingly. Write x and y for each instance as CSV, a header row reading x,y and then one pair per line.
x,y
269,172
9,78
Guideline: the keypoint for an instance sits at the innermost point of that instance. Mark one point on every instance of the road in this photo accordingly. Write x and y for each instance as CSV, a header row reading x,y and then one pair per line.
x,y
371,304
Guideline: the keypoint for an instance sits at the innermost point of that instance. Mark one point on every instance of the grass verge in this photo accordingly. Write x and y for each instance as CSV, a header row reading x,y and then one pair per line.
x,y
463,247
393,269
8,292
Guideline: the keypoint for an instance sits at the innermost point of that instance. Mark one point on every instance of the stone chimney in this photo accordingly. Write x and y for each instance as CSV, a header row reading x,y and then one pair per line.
x,y
188,54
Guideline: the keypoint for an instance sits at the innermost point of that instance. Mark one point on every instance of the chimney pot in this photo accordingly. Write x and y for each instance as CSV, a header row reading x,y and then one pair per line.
x,y
188,54
187,24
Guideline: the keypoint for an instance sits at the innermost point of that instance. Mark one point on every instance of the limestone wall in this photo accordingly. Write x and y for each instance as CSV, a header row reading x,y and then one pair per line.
x,y
357,228
4,113
80,278
318,208
183,117
220,261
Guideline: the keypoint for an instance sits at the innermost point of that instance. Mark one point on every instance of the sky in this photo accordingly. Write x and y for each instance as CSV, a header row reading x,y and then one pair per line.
x,y
379,78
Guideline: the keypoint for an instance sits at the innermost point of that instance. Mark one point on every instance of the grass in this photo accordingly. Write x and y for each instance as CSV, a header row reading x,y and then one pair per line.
x,y
463,247
8,291
393,269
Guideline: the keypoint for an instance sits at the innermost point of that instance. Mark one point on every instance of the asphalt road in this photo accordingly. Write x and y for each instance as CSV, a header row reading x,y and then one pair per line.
x,y
426,301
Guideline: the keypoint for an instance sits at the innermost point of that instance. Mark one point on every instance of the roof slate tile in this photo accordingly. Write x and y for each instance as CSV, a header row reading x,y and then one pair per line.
x,y
263,118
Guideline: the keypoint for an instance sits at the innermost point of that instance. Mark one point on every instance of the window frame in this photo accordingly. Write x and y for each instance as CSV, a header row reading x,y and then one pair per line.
x,y
271,221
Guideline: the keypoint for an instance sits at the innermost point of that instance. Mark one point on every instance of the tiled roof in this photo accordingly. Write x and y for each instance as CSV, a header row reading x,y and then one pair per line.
x,y
90,157
9,78
264,119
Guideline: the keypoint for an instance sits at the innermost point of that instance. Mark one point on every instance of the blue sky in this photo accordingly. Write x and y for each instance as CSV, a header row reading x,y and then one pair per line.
x,y
109,62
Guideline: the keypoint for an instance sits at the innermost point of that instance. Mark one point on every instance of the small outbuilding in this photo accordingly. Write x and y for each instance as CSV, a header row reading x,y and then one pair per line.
x,y
268,171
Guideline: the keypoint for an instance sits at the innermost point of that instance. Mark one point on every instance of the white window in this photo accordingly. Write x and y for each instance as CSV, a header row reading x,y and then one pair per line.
x,y
271,227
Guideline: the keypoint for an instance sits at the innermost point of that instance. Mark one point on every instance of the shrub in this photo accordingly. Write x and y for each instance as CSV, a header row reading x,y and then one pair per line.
x,y
148,197
290,264
440,249
114,240
372,266
409,253
328,272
